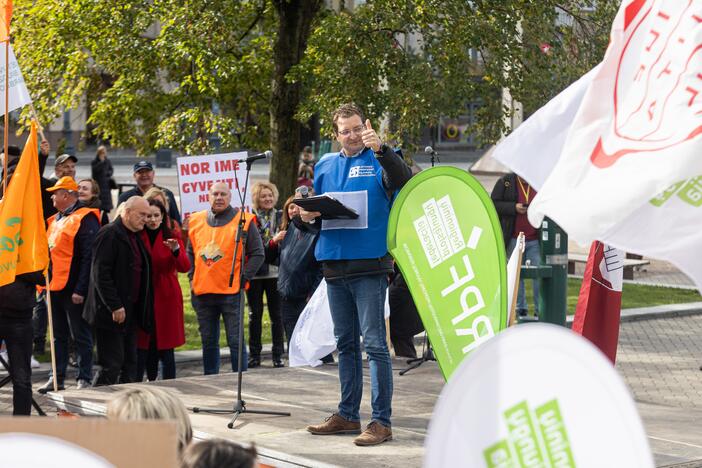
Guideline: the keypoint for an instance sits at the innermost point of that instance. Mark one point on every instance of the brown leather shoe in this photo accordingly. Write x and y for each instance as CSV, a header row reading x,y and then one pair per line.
x,y
374,434
335,424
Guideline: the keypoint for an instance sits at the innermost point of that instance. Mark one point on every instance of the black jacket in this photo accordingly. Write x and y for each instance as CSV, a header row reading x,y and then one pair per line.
x,y
504,196
111,281
173,212
299,273
396,173
18,298
102,171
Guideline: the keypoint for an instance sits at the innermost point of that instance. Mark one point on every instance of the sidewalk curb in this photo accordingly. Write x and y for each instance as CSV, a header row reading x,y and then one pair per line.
x,y
628,315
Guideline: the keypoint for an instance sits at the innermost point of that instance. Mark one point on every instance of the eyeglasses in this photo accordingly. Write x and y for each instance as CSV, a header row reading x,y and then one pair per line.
x,y
357,130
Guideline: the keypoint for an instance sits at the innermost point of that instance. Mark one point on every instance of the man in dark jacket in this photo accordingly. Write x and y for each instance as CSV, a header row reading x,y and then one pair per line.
x,y
144,177
511,196
120,296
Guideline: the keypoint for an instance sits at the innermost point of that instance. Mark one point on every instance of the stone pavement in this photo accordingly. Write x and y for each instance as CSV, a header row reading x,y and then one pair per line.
x,y
659,360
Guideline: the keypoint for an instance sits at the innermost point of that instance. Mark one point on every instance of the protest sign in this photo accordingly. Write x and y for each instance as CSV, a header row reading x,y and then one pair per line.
x,y
536,395
445,235
197,173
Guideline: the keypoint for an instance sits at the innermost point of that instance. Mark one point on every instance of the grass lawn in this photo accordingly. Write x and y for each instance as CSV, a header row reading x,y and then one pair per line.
x,y
192,335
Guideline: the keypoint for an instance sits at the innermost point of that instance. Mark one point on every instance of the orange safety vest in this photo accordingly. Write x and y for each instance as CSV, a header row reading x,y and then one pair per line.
x,y
213,249
61,235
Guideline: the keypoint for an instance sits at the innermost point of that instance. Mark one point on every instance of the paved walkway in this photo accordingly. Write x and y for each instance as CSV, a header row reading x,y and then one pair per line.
x,y
659,360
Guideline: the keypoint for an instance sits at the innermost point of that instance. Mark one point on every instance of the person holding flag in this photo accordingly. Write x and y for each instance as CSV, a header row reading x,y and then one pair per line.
x,y
71,233
24,259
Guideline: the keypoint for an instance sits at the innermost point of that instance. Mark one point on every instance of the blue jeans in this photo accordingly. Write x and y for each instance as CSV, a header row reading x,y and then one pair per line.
x,y
208,308
357,308
532,252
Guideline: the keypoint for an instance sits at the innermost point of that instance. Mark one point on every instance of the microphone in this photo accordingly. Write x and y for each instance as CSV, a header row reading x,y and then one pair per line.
x,y
430,151
265,155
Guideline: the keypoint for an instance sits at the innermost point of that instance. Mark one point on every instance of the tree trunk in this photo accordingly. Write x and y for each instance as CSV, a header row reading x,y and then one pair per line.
x,y
294,25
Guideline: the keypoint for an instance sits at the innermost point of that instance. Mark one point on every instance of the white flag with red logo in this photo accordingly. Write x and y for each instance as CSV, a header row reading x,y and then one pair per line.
x,y
600,300
637,132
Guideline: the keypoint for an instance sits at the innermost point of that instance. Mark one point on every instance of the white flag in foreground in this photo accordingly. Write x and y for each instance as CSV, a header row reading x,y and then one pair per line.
x,y
639,128
662,226
533,148
19,96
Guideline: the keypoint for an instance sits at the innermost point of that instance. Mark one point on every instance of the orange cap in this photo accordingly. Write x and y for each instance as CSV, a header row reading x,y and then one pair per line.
x,y
66,183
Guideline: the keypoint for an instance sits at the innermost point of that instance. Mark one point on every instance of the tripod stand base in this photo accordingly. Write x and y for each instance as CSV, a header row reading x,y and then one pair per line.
x,y
238,410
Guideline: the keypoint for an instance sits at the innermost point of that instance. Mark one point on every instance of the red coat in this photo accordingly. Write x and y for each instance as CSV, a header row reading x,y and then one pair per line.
x,y
168,297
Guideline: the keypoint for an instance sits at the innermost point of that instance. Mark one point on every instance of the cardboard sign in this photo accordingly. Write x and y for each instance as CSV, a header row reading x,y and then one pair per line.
x,y
89,442
536,395
445,235
196,174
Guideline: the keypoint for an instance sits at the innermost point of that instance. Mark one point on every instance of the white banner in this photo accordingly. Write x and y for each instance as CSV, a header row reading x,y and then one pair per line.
x,y
19,96
197,173
536,395
638,128
513,271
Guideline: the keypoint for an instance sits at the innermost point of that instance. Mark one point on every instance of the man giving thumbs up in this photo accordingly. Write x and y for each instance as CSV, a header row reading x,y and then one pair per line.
x,y
355,263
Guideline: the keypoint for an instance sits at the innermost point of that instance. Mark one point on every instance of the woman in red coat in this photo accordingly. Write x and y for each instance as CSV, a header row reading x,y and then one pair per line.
x,y
167,258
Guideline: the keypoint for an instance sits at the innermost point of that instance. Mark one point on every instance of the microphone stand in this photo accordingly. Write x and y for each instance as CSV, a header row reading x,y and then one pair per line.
x,y
427,354
239,407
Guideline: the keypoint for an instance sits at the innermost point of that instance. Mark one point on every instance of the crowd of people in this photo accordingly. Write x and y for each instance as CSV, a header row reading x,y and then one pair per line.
x,y
114,281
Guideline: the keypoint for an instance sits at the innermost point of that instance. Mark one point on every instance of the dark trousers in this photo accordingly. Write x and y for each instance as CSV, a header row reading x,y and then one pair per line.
x,y
17,333
148,359
290,309
39,323
69,323
117,354
255,298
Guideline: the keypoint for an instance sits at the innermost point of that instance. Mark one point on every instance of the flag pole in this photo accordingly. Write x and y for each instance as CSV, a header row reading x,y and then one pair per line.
x,y
36,119
7,116
51,333
513,305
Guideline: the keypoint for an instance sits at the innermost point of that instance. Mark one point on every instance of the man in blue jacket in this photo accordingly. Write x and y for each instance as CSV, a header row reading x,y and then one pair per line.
x,y
364,175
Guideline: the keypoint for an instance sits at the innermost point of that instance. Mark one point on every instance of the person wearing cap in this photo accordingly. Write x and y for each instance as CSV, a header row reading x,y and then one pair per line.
x,y
71,233
64,166
144,178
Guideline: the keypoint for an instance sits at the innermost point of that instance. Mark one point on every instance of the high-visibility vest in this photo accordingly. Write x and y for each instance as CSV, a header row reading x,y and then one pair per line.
x,y
61,235
213,249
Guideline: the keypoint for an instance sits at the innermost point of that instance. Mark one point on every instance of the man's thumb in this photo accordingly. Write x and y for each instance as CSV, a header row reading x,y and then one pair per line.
x,y
368,125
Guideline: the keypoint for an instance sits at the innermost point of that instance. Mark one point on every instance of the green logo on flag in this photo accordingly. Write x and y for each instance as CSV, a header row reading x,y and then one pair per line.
x,y
689,191
535,439
445,235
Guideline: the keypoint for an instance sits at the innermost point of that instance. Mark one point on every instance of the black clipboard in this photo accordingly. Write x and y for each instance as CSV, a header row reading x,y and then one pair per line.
x,y
330,207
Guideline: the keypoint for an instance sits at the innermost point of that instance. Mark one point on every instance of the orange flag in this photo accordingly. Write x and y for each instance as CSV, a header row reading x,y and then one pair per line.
x,y
5,17
23,243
